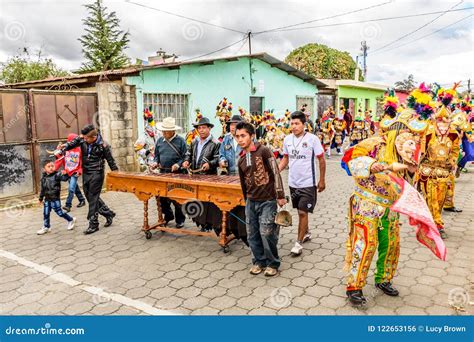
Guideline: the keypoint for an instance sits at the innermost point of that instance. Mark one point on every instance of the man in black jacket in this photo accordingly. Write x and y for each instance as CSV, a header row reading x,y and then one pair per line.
x,y
95,151
202,157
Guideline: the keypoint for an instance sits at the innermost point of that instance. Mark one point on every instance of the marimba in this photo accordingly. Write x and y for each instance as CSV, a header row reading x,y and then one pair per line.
x,y
224,191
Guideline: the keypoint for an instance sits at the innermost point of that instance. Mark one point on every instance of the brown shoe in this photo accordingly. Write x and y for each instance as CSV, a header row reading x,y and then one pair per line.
x,y
270,272
256,270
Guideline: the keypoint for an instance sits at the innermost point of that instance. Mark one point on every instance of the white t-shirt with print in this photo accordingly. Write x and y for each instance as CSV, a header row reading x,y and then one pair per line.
x,y
301,154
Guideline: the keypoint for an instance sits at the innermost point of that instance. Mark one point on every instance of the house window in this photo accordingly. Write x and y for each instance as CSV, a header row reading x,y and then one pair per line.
x,y
169,105
256,105
367,104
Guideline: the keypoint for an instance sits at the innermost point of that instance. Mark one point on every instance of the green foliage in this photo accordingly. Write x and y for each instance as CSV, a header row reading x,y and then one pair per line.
x,y
407,84
104,43
321,61
23,67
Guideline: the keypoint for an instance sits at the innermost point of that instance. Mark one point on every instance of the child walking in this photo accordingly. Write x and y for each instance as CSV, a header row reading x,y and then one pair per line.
x,y
72,168
50,197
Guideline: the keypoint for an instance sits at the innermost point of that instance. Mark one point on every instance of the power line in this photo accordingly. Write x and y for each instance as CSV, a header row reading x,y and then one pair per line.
x,y
321,19
378,19
416,30
221,49
183,17
429,34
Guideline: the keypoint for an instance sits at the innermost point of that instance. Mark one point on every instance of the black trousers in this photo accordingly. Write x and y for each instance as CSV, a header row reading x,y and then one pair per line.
x,y
92,186
168,212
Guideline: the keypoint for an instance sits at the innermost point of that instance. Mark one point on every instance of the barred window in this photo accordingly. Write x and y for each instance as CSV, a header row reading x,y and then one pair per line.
x,y
169,105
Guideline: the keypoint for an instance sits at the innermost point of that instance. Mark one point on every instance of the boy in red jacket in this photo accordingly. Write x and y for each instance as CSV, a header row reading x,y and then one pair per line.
x,y
72,166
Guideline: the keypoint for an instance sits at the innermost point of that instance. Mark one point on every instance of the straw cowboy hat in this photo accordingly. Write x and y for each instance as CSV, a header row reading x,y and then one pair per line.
x,y
168,124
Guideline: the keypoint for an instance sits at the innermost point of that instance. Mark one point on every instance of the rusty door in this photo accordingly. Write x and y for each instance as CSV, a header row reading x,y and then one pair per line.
x,y
56,114
33,122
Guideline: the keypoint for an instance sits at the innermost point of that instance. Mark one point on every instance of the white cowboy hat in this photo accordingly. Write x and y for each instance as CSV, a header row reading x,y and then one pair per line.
x,y
168,124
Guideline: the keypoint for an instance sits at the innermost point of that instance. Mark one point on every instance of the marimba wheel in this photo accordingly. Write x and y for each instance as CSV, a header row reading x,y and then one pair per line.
x,y
225,249
148,235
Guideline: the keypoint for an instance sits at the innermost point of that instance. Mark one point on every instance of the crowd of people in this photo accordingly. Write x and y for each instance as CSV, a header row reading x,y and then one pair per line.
x,y
407,165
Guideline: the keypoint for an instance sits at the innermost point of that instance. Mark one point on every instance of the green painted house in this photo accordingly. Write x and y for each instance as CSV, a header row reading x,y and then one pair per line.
x,y
353,95
254,82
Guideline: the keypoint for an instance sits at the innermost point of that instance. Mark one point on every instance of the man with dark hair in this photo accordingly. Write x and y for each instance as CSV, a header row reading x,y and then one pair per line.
x,y
299,151
95,151
263,189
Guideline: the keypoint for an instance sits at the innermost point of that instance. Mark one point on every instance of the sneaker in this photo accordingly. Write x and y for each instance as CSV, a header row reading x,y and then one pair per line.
x,y
71,224
306,238
43,231
67,209
81,204
443,234
297,249
340,153
256,270
270,272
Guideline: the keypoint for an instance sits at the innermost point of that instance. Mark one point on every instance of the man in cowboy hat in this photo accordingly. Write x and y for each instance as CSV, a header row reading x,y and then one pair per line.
x,y
202,157
170,150
229,151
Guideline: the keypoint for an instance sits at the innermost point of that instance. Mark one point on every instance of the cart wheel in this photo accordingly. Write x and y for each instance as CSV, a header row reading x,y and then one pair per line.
x,y
148,235
225,249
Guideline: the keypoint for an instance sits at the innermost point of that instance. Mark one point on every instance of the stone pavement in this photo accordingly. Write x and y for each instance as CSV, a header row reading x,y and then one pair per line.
x,y
117,271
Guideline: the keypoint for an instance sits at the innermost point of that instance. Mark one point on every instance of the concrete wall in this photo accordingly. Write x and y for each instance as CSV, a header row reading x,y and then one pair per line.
x,y
117,116
208,84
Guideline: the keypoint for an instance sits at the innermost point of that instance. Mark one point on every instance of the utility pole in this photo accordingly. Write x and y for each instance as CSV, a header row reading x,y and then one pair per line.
x,y
249,35
364,49
469,87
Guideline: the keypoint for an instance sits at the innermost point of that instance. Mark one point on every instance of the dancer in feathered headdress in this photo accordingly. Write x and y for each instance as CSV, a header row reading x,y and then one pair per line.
x,y
382,168
193,133
223,113
440,151
467,127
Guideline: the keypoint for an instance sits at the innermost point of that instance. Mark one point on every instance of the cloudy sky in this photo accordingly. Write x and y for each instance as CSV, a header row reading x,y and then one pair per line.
x,y
435,47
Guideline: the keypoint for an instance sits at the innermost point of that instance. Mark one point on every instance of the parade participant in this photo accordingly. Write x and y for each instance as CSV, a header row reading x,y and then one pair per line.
x,y
468,136
339,125
369,122
223,113
326,132
50,192
358,129
263,190
299,151
202,157
309,126
229,149
374,164
95,151
347,118
71,163
440,151
170,150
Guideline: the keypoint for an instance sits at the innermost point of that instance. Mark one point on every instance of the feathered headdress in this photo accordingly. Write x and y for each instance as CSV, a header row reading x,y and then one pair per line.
x,y
390,104
446,96
421,100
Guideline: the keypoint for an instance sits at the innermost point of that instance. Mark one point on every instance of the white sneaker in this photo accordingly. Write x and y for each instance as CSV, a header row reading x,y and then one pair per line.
x,y
70,225
340,153
297,249
306,238
43,231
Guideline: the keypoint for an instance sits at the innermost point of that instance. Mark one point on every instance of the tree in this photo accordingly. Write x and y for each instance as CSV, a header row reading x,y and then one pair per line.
x,y
23,67
104,42
321,61
407,84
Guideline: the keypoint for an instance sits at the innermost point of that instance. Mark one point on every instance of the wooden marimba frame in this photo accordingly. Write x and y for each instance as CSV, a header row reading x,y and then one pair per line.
x,y
224,191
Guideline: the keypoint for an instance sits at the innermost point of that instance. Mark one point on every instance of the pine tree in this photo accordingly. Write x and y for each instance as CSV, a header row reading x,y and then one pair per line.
x,y
104,42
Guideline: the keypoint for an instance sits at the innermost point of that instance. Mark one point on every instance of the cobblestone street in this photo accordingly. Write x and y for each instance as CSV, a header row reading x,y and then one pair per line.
x,y
117,271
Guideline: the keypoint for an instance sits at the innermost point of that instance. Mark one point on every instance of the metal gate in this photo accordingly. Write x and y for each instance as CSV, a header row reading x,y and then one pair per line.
x,y
31,123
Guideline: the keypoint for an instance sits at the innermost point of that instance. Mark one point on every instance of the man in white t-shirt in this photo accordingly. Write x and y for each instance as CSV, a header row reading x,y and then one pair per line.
x,y
300,149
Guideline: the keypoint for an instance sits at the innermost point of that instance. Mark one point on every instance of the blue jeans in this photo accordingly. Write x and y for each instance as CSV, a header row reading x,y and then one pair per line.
x,y
262,232
73,190
56,206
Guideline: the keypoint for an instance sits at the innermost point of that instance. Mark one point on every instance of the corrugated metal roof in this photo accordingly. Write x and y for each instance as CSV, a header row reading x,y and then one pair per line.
x,y
274,62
